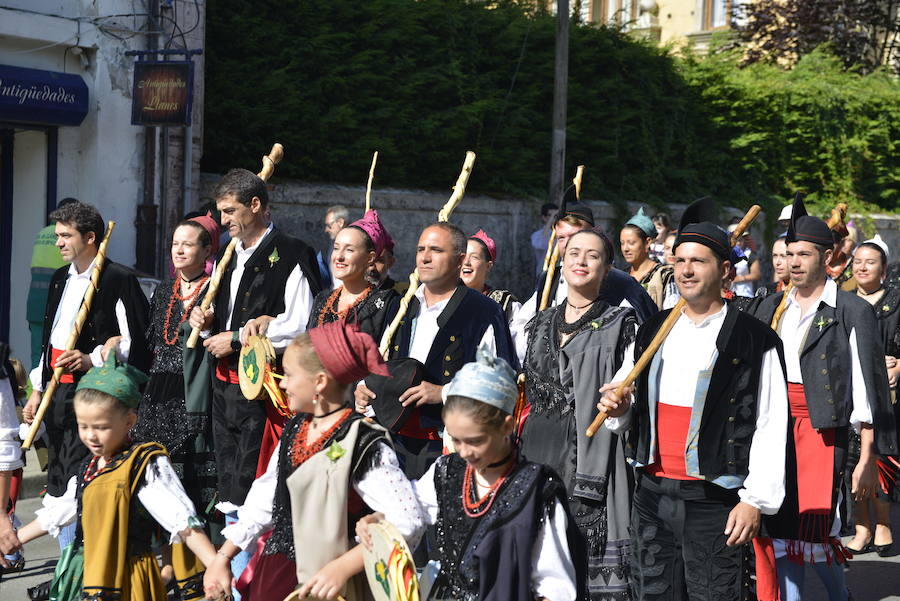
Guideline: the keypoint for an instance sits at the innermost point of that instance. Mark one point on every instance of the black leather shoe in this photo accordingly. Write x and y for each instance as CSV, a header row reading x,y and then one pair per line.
x,y
883,550
40,592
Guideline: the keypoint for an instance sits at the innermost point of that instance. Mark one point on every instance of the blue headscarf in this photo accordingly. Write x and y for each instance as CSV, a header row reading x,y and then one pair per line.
x,y
488,379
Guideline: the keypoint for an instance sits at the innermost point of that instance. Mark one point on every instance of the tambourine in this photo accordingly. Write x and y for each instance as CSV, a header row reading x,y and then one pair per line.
x,y
257,356
389,565
256,373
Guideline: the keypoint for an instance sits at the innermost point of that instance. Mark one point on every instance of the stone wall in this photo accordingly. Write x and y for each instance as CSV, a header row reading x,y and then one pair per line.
x,y
299,207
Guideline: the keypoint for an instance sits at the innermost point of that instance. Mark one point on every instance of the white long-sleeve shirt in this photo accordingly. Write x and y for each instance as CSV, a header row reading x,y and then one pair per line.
x,y
689,353
553,572
10,447
383,487
298,298
73,293
161,494
793,329
425,328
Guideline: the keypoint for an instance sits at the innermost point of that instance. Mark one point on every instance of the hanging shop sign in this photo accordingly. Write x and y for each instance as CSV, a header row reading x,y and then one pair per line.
x,y
163,93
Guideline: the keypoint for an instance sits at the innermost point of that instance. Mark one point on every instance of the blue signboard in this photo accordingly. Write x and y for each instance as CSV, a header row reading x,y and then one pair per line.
x,y
42,97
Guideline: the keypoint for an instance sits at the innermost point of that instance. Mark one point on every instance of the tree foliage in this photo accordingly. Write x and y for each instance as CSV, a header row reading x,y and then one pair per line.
x,y
864,33
422,81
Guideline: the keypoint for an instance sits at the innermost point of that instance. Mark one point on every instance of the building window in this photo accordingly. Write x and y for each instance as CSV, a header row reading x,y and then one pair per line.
x,y
716,14
619,12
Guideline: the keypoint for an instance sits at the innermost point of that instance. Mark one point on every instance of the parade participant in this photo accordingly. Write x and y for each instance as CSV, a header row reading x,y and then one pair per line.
x,y
657,279
504,530
267,288
362,296
663,228
835,383
117,497
706,431
331,467
445,324
781,273
540,238
45,260
619,289
747,270
481,253
573,348
840,267
119,308
335,219
668,255
10,461
869,263
175,407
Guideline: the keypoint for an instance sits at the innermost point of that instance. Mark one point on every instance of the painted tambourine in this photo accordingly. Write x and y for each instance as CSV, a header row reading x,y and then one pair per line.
x,y
256,358
389,565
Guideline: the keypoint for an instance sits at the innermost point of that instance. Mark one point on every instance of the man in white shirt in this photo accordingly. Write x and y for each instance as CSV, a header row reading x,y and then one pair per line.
x,y
706,431
268,287
119,312
445,324
837,380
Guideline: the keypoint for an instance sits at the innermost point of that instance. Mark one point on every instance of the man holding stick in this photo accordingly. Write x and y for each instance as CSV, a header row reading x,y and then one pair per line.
x,y
706,429
444,326
118,313
267,288
836,380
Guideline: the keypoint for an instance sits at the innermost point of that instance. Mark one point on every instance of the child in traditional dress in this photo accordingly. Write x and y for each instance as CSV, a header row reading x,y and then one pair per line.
x,y
503,525
119,495
331,467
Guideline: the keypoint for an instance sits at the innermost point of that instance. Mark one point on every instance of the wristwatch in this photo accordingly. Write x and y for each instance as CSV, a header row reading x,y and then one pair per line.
x,y
235,341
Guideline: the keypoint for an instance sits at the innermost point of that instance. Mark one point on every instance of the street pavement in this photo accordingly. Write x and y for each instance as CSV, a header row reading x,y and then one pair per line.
x,y
870,577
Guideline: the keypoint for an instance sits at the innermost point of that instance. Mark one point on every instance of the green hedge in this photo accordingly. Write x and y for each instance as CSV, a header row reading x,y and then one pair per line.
x,y
424,80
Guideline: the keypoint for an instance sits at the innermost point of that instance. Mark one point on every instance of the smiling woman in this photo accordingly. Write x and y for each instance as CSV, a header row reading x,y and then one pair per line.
x,y
573,349
361,297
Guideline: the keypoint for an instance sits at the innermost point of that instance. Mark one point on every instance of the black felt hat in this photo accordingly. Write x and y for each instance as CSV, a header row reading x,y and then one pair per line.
x,y
405,373
803,227
696,226
570,206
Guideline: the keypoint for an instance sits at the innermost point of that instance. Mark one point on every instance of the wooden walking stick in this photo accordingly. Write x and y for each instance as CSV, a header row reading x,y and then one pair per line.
x,y
838,213
80,318
269,161
369,183
443,215
664,330
553,249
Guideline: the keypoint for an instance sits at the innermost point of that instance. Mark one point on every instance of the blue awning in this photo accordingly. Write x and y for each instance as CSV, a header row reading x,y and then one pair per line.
x,y
42,97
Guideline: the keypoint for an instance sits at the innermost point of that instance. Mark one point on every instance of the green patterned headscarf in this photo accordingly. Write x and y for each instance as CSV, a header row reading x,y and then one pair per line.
x,y
121,381
643,223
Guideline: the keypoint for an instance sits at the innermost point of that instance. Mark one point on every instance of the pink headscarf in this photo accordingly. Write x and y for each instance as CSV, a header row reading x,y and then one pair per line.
x,y
481,236
372,226
347,353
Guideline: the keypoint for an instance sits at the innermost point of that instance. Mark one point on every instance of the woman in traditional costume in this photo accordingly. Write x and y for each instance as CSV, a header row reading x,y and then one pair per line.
x,y
481,253
175,407
503,525
332,466
656,278
573,349
119,495
361,296
869,265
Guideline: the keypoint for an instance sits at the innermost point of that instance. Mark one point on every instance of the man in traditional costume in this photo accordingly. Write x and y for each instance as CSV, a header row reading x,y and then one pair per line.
x,y
836,380
443,327
619,288
268,287
706,431
119,309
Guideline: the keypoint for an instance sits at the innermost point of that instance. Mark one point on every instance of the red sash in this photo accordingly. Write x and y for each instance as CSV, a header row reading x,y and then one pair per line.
x,y
66,377
225,373
672,425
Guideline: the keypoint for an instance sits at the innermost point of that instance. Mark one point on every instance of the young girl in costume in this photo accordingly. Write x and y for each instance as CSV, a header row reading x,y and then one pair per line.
x,y
503,525
331,467
120,494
